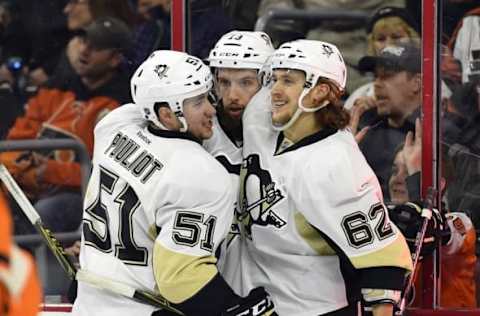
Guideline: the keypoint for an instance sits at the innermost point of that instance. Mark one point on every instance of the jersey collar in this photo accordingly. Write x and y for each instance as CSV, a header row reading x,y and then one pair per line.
x,y
172,134
318,136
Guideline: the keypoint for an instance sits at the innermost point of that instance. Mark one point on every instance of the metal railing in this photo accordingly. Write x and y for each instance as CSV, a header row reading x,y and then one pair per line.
x,y
34,240
311,16
45,261
49,144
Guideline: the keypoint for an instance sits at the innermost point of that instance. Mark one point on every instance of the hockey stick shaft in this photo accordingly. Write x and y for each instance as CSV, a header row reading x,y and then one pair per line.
x,y
34,218
427,215
65,261
102,282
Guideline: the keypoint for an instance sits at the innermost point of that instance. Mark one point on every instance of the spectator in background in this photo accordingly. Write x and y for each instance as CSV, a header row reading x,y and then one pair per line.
x,y
152,30
69,110
14,50
350,35
203,36
41,29
398,93
20,292
80,14
242,13
458,250
466,45
388,26
461,135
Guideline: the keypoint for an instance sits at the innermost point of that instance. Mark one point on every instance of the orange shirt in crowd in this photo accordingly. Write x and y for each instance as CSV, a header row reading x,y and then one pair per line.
x,y
458,261
20,291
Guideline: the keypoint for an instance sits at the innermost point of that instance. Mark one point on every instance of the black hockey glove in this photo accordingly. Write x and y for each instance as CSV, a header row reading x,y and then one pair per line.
x,y
407,217
257,303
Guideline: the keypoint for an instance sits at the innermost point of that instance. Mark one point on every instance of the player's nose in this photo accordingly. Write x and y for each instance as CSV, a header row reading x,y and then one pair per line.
x,y
210,111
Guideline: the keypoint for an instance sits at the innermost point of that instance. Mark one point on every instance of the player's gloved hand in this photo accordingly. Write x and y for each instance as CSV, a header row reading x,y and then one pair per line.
x,y
257,303
408,218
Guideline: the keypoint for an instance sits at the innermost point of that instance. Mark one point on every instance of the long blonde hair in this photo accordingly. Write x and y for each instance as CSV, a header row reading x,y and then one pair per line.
x,y
391,22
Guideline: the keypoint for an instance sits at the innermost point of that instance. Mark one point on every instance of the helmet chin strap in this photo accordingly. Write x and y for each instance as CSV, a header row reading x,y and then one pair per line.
x,y
300,109
184,127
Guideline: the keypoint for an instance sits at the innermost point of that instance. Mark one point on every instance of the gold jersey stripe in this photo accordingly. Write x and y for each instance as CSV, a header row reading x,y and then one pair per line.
x,y
312,236
396,254
180,276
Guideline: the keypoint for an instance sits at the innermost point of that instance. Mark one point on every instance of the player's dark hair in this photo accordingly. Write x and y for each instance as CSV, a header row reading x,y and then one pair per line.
x,y
333,115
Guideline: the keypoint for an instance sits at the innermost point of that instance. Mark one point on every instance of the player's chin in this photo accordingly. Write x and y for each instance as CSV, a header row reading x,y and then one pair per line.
x,y
205,133
278,119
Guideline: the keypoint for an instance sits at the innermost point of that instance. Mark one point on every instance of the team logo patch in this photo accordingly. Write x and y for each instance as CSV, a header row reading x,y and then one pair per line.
x,y
327,50
459,226
161,70
257,208
266,39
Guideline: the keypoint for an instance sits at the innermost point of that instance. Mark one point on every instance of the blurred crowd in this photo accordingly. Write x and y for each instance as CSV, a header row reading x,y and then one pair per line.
x,y
64,64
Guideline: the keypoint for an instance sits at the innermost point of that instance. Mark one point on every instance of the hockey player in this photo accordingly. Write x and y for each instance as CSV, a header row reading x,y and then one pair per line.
x,y
312,212
236,61
158,205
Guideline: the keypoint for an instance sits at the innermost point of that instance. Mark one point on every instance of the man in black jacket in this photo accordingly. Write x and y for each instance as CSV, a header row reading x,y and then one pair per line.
x,y
398,93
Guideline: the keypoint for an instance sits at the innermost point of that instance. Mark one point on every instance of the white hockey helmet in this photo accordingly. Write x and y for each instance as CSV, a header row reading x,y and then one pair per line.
x,y
317,60
169,77
241,49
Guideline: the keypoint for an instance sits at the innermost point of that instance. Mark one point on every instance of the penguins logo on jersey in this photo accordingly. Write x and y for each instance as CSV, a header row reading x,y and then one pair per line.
x,y
259,211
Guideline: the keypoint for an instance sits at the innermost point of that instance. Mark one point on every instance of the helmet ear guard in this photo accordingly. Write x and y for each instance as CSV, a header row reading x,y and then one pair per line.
x,y
169,77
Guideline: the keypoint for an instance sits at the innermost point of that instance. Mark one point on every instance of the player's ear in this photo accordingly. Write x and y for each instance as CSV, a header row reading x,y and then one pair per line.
x,y
168,118
416,81
320,92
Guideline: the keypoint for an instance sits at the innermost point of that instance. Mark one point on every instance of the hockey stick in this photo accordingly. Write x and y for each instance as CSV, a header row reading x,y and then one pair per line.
x,y
427,216
67,264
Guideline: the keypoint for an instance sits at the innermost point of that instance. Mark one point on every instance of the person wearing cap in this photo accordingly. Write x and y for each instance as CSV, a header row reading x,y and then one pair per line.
x,y
68,109
79,14
398,94
346,33
312,215
387,26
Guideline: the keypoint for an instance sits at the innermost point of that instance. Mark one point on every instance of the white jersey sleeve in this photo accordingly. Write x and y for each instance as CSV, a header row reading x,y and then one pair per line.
x,y
349,208
193,221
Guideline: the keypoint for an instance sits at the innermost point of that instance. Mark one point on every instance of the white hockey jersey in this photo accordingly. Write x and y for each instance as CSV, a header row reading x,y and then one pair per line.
x,y
229,155
313,219
156,209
